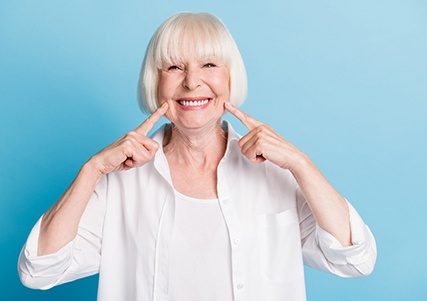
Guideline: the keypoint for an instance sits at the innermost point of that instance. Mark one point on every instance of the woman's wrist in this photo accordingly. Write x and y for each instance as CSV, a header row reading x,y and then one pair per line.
x,y
300,164
91,171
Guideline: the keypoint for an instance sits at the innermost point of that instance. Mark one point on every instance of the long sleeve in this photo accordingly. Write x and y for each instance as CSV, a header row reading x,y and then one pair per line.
x,y
322,251
79,258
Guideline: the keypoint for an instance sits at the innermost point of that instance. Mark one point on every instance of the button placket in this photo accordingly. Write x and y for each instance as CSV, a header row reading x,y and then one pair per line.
x,y
231,218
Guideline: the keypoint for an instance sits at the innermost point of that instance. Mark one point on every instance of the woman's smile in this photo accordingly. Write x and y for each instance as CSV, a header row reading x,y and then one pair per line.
x,y
194,103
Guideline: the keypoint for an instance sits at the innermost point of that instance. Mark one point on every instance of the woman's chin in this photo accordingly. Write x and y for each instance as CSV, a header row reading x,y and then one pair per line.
x,y
201,124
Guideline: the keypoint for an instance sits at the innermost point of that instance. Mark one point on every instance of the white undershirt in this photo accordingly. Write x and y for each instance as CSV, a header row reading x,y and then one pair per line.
x,y
200,266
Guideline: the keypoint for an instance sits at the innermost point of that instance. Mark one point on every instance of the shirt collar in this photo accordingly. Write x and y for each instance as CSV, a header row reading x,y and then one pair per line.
x,y
160,162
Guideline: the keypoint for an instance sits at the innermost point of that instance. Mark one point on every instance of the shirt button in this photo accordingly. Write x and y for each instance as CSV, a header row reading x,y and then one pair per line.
x,y
226,201
240,286
237,241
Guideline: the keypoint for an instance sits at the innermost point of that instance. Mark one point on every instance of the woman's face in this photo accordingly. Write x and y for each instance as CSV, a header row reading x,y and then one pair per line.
x,y
195,91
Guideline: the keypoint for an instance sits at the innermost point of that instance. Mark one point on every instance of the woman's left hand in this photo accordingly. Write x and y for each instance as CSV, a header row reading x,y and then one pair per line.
x,y
263,143
329,208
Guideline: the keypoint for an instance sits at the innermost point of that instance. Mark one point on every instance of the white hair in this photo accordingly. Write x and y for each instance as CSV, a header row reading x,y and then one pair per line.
x,y
203,33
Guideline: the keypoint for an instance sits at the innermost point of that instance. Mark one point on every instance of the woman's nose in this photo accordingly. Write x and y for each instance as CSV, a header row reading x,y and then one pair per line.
x,y
192,79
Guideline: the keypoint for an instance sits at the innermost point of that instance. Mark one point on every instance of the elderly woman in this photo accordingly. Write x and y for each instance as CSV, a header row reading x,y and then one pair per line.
x,y
197,212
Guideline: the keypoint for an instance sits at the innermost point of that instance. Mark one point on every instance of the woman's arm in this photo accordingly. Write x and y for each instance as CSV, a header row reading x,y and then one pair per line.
x,y
60,223
329,208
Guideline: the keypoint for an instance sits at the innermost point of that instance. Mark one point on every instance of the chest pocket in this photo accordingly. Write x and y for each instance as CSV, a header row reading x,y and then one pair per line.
x,y
280,246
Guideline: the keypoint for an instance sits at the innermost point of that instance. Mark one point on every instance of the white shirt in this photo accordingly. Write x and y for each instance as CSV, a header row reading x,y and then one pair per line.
x,y
125,234
200,261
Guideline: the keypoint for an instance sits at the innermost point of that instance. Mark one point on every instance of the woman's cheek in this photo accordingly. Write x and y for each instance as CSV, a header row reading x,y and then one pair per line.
x,y
170,113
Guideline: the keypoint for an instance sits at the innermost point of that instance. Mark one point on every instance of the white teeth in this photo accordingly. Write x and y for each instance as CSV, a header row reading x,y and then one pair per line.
x,y
197,103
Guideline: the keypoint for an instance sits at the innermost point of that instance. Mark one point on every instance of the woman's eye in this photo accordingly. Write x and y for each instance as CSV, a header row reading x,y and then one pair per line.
x,y
209,65
174,67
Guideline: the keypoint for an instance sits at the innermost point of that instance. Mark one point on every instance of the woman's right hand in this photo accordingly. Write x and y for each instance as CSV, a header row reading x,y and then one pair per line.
x,y
60,223
134,149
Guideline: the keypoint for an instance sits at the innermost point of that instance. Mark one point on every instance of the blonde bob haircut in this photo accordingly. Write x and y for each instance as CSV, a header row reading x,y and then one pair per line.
x,y
206,36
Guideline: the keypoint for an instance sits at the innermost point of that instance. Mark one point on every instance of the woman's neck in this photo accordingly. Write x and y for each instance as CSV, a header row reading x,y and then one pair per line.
x,y
195,148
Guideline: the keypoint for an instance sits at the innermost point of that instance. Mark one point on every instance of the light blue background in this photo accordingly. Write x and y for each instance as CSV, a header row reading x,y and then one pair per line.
x,y
346,81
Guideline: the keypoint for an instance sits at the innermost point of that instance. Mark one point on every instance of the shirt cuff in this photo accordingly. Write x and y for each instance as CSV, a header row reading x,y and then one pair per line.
x,y
46,266
355,254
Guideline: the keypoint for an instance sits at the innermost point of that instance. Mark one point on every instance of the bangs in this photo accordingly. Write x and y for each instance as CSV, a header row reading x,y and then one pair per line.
x,y
192,37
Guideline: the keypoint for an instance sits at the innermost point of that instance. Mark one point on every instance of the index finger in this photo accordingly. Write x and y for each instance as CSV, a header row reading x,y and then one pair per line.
x,y
247,120
148,124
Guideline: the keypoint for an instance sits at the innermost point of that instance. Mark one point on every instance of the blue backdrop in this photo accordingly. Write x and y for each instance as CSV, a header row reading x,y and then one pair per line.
x,y
346,81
